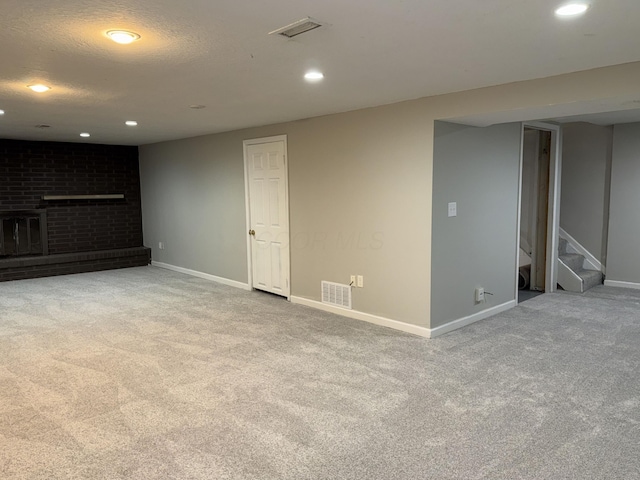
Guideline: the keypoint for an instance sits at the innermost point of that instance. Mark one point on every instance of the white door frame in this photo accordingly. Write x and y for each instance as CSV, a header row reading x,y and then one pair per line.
x,y
245,144
553,220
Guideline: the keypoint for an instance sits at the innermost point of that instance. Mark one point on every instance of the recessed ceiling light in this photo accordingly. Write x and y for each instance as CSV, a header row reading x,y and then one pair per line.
x,y
313,76
131,123
38,87
85,134
122,36
572,9
1,112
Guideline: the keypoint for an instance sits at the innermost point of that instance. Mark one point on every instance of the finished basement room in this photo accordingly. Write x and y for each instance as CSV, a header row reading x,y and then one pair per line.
x,y
319,240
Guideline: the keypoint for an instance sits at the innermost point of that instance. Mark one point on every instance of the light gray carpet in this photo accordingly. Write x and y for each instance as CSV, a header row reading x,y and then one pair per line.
x,y
148,374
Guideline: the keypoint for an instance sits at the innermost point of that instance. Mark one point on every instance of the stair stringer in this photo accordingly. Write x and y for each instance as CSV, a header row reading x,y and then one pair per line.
x,y
573,246
568,279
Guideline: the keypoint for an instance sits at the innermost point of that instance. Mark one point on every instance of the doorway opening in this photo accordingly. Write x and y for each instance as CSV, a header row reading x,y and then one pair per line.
x,y
539,209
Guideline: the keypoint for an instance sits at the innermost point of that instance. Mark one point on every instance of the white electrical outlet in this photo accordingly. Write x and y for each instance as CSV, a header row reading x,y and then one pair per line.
x,y
360,281
353,281
479,294
161,245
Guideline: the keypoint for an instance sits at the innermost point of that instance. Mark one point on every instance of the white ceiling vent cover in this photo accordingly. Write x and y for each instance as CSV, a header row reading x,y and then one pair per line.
x,y
296,28
336,294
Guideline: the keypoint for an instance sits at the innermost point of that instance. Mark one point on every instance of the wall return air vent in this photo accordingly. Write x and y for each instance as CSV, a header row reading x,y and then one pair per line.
x,y
296,28
336,294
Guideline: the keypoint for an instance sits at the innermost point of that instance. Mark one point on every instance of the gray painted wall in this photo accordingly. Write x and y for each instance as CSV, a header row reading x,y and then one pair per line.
x,y
193,202
586,172
359,183
623,253
479,169
351,174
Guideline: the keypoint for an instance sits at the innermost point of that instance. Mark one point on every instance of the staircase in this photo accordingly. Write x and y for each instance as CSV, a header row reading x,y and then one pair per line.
x,y
572,275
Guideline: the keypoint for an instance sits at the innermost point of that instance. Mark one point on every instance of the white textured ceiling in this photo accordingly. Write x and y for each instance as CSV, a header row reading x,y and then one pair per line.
x,y
218,53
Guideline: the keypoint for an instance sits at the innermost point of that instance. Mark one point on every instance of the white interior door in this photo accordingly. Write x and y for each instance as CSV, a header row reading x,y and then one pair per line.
x,y
268,216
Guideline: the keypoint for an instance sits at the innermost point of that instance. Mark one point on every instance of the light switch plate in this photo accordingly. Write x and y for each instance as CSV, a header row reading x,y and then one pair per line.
x,y
453,209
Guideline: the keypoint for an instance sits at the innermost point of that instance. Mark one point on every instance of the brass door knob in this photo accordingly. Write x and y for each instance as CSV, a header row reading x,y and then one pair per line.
x,y
252,232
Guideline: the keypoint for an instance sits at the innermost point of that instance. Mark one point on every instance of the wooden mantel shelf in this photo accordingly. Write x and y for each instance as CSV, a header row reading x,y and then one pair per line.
x,y
106,196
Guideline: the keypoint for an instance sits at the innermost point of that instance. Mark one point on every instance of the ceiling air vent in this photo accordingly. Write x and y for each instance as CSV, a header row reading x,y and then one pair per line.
x,y
42,125
336,294
296,28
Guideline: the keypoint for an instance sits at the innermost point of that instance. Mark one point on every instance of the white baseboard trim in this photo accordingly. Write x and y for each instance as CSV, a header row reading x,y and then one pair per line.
x,y
464,321
366,317
402,326
620,284
595,264
206,276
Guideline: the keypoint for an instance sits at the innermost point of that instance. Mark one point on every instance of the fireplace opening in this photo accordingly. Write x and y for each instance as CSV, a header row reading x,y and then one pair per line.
x,y
23,233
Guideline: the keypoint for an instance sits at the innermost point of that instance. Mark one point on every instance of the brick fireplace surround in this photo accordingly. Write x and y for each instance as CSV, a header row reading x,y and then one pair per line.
x,y
83,234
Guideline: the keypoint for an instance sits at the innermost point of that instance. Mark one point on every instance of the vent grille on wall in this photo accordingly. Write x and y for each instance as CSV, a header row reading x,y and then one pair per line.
x,y
296,28
336,294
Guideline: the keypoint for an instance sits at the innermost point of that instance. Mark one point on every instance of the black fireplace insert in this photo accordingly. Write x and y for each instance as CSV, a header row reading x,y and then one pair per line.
x,y
23,232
